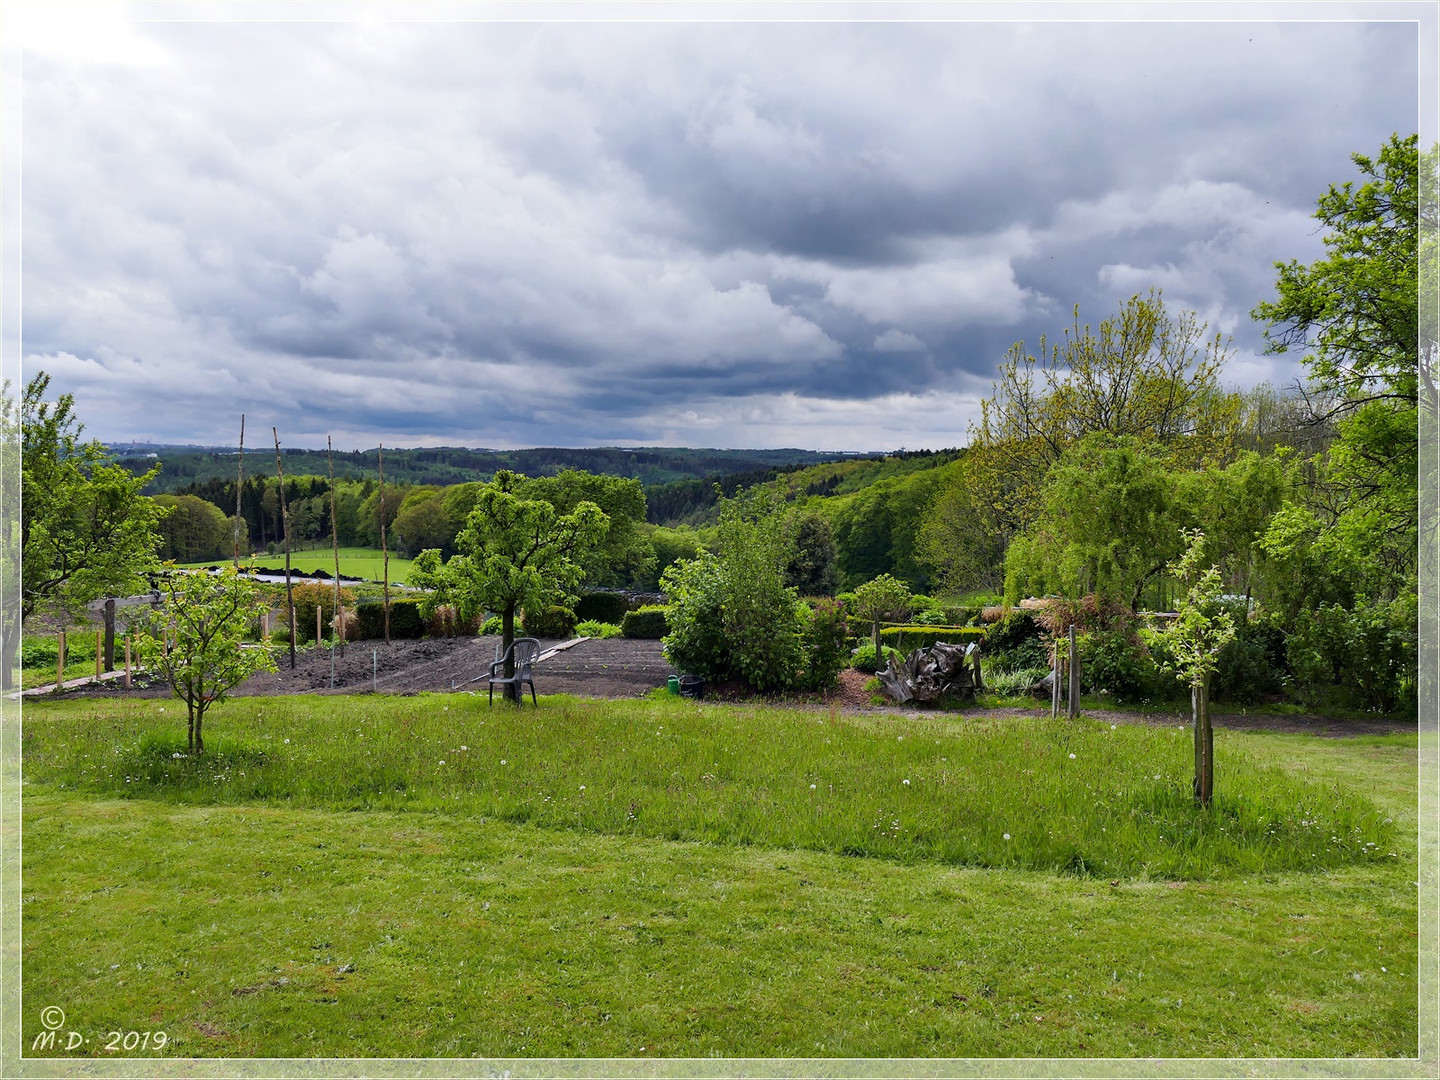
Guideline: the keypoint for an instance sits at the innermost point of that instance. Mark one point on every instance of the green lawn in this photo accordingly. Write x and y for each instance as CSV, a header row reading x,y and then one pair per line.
x,y
367,563
431,877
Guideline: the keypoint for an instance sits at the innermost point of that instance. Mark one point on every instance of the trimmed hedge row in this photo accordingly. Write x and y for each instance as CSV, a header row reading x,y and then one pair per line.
x,y
648,622
405,619
909,638
606,607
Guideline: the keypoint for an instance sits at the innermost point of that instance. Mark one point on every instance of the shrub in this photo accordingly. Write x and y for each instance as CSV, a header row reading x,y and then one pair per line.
x,y
826,645
603,607
593,628
1014,642
551,622
405,619
863,658
1012,683
1252,665
648,622
694,632
493,626
1117,661
308,598
446,621
1369,652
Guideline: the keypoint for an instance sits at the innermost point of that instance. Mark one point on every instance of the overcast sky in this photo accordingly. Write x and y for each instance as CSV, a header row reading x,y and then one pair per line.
x,y
822,235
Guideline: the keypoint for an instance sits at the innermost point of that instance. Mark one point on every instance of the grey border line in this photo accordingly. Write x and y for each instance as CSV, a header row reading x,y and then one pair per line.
x,y
1424,13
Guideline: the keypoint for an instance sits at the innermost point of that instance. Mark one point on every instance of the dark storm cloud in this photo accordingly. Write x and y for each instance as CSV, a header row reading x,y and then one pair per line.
x,y
728,234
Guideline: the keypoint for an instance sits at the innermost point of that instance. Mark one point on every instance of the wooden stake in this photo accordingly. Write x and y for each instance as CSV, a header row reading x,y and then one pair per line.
x,y
99,654
1073,689
110,634
384,551
319,614
335,544
239,483
1055,681
60,664
285,523
265,625
127,661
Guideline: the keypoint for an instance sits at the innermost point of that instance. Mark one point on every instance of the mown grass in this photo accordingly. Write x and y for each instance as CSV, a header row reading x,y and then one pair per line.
x,y
1087,798
349,896
359,562
266,931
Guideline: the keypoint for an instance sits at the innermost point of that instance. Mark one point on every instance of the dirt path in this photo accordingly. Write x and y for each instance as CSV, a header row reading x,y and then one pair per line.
x,y
625,668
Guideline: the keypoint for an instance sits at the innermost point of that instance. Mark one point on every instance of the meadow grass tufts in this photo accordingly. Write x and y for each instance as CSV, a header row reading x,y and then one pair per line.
x,y
1085,798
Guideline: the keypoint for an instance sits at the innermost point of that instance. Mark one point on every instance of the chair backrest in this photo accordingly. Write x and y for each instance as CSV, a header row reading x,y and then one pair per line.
x,y
526,649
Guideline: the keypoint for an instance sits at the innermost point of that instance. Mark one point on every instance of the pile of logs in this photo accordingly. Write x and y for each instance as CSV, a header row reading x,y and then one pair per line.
x,y
943,670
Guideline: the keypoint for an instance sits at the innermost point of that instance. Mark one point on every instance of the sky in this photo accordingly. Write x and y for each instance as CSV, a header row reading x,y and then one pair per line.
x,y
723,233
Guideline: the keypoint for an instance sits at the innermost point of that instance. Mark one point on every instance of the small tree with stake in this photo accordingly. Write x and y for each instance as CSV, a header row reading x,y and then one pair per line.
x,y
513,553
1194,640
194,641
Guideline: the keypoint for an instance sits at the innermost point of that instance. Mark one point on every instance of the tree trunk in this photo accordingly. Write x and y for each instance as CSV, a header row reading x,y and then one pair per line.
x,y
507,639
875,637
199,735
1204,783
190,727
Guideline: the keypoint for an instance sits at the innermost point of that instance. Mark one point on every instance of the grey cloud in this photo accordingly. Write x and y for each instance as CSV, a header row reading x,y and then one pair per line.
x,y
392,228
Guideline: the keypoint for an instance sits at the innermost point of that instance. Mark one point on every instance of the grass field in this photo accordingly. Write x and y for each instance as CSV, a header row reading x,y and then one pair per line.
x,y
430,877
367,563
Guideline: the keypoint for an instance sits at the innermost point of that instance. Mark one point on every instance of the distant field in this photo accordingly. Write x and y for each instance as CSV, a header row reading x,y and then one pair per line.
x,y
358,562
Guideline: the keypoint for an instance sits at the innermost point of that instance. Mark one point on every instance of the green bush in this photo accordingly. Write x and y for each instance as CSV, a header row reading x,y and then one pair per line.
x,y
595,629
694,629
1369,653
863,658
826,645
494,626
648,622
554,622
405,619
1014,643
1117,662
1251,666
603,607
312,595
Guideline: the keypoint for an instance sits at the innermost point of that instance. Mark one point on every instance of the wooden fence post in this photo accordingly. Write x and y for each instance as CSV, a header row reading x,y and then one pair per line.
x,y
1073,688
1055,681
99,654
60,664
127,661
110,634
265,625
319,613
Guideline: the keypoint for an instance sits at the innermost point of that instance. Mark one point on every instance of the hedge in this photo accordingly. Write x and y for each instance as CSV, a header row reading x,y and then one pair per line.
x,y
554,622
648,622
606,607
909,638
405,619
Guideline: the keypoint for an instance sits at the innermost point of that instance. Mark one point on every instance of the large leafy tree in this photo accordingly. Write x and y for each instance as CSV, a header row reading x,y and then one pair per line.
x,y
1356,313
194,640
513,553
86,531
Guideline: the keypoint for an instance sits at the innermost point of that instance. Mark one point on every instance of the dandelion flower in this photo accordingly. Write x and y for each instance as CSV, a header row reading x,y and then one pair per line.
x,y
582,787
464,748
1157,776
905,782
503,761
287,740
1072,757
812,787
442,761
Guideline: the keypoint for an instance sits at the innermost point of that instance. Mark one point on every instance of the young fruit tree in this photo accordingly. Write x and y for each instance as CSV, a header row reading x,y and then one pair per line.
x,y
194,641
883,599
1194,640
513,553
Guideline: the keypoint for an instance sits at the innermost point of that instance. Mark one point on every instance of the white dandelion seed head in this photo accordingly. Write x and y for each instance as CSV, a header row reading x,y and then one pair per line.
x,y
1007,836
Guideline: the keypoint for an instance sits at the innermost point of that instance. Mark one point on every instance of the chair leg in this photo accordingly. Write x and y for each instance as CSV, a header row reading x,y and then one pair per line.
x,y
532,696
492,695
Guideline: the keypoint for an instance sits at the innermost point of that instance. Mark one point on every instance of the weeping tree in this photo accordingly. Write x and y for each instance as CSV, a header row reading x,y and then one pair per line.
x,y
513,554
1193,641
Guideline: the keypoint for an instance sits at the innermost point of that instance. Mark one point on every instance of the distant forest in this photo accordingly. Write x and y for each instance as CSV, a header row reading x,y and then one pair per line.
x,y
189,467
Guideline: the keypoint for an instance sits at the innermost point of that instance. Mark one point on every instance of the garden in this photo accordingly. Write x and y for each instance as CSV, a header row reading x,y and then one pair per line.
x,y
303,830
